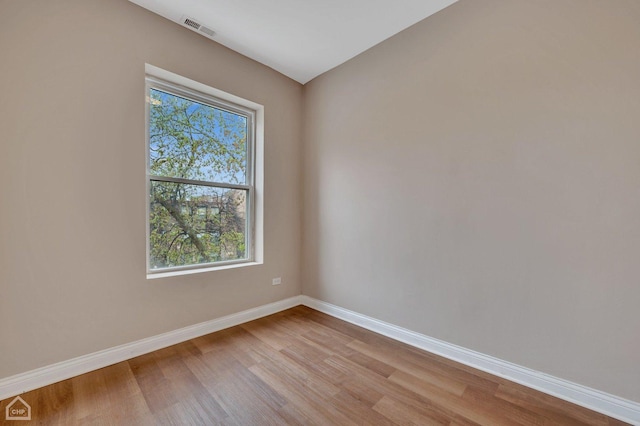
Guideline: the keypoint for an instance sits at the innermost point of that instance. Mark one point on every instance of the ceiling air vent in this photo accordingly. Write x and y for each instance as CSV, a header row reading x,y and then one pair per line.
x,y
192,23
197,26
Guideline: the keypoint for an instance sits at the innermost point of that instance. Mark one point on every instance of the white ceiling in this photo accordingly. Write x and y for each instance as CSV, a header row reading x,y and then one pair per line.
x,y
299,38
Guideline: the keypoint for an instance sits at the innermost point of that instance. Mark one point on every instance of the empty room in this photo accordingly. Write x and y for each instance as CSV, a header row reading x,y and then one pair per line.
x,y
356,212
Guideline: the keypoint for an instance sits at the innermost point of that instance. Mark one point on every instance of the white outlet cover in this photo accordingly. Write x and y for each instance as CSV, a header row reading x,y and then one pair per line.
x,y
276,281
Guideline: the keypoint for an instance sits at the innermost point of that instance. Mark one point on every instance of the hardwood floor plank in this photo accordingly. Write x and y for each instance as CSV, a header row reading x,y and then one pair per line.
x,y
454,403
379,367
402,414
509,411
188,389
391,358
243,396
126,401
276,337
310,398
446,368
359,412
297,367
373,380
294,415
556,410
247,401
358,390
156,389
329,342
90,398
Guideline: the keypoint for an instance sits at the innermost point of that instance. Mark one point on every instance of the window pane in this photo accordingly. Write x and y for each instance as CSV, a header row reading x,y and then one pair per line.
x,y
193,224
194,141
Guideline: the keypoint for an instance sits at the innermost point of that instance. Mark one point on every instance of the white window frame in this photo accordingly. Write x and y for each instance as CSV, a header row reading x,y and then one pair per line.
x,y
157,78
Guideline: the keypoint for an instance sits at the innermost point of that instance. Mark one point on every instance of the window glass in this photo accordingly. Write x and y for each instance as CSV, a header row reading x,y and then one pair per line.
x,y
199,173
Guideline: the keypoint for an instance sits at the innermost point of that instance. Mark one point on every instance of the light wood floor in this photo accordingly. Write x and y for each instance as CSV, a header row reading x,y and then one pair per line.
x,y
296,367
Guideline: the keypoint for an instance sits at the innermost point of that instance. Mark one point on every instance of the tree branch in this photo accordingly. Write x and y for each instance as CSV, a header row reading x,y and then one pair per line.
x,y
188,229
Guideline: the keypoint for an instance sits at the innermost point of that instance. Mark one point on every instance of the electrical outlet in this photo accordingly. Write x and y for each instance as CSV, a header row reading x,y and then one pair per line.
x,y
276,281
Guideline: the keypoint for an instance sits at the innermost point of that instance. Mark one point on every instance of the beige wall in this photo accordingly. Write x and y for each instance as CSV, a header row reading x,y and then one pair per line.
x,y
72,173
476,178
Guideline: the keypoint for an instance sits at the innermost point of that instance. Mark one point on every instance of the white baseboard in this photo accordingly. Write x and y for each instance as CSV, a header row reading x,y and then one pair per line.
x,y
592,399
24,382
602,402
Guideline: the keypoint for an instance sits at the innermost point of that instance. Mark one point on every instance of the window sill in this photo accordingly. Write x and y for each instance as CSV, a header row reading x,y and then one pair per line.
x,y
199,270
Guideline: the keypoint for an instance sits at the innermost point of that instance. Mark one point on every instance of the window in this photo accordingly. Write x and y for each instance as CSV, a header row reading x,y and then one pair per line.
x,y
200,179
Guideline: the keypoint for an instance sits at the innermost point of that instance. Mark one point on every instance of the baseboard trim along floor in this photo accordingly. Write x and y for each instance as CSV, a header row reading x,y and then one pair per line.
x,y
34,379
593,399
